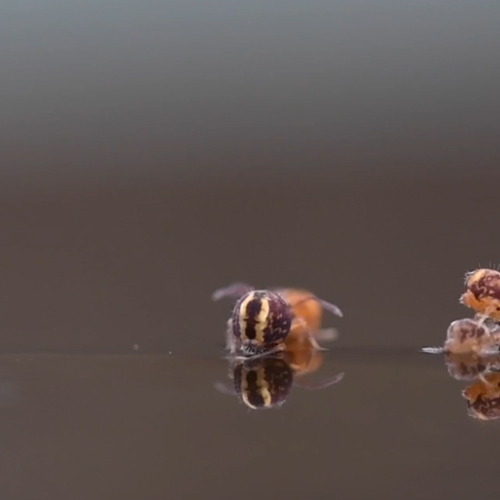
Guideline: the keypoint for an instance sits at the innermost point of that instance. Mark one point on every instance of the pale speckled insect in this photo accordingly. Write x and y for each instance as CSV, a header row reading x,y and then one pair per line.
x,y
480,336
266,320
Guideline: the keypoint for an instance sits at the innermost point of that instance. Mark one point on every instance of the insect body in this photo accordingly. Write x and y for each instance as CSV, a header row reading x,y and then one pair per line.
x,y
261,321
308,311
264,320
482,292
470,336
307,306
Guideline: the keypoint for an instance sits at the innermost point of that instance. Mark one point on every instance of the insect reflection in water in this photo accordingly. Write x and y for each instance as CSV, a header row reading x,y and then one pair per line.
x,y
483,397
476,360
265,382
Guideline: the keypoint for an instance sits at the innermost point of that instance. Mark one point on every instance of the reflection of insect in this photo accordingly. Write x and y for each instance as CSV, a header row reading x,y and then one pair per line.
x,y
265,320
482,292
304,360
483,397
470,366
466,336
265,382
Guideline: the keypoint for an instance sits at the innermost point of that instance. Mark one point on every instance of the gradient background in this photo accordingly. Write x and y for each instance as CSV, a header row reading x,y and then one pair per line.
x,y
154,151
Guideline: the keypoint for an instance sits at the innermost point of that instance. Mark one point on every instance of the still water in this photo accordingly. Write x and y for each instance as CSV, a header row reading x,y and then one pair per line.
x,y
152,152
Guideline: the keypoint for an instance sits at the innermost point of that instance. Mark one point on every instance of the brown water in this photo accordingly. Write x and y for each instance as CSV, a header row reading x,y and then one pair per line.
x,y
155,151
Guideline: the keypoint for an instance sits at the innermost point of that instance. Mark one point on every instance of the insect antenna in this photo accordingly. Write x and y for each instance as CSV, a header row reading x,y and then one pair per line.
x,y
234,291
433,350
311,386
327,306
225,389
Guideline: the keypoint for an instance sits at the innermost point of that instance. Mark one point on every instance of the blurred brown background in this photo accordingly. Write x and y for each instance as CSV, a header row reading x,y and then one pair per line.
x,y
154,151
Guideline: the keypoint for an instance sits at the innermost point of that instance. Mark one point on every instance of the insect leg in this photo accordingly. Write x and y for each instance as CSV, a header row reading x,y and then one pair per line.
x,y
225,388
326,334
309,335
264,354
433,350
311,386
235,291
484,380
231,342
481,320
327,306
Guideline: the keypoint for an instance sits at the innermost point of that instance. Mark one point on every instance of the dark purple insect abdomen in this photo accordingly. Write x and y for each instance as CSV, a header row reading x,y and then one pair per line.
x,y
261,319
